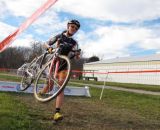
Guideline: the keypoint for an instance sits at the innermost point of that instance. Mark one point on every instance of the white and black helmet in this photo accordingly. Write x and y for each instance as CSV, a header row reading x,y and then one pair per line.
x,y
76,22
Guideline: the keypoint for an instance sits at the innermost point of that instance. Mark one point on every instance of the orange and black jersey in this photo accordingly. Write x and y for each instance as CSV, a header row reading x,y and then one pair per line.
x,y
66,43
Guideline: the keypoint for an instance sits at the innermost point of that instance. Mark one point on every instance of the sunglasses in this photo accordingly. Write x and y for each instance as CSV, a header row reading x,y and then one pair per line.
x,y
74,26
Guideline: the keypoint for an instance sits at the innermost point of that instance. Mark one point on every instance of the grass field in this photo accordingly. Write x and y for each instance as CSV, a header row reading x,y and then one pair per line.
x,y
154,88
116,111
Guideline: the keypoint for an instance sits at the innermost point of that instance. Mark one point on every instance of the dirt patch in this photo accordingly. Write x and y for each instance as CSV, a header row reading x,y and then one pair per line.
x,y
81,113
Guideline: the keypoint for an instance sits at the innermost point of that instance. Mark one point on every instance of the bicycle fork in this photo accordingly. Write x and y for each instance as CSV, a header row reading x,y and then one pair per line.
x,y
30,74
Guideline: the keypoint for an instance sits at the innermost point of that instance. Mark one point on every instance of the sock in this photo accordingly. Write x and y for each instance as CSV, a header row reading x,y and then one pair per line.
x,y
57,110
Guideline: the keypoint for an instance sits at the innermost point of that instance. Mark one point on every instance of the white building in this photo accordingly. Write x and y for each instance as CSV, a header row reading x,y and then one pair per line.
x,y
143,70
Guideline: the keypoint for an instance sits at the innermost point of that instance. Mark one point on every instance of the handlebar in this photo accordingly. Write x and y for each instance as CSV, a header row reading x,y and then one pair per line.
x,y
55,50
78,50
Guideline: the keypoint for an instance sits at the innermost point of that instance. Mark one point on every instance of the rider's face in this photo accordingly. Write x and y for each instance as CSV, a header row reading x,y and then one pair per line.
x,y
72,28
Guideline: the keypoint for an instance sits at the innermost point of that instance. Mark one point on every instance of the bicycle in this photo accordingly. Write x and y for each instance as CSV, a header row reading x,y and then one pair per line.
x,y
51,69
29,71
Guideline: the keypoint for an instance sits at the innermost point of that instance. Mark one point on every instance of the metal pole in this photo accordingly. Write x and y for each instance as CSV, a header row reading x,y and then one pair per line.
x,y
103,86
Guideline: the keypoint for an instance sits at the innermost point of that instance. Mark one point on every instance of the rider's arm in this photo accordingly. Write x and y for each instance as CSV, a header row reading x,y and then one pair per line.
x,y
51,41
77,53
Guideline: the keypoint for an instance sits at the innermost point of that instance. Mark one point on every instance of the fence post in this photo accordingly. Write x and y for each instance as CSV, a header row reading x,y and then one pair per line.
x,y
105,80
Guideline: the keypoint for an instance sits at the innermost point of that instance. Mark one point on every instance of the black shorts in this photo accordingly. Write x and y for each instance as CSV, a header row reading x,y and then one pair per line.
x,y
63,65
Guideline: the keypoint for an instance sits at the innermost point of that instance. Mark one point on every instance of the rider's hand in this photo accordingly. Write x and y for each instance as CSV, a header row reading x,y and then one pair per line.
x,y
77,54
50,49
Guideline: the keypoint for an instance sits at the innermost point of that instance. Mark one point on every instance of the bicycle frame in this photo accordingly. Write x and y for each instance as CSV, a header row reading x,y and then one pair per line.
x,y
35,60
50,86
29,72
55,63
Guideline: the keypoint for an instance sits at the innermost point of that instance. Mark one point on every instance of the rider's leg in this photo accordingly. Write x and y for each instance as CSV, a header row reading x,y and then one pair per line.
x,y
48,87
60,97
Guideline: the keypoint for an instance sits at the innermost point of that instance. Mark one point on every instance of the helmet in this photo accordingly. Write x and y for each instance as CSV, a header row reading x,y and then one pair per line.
x,y
76,22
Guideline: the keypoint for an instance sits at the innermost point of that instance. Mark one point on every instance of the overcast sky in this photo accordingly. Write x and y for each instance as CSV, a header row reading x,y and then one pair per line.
x,y
109,28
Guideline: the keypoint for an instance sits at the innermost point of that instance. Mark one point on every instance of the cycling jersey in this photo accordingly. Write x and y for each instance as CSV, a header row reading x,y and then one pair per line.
x,y
66,43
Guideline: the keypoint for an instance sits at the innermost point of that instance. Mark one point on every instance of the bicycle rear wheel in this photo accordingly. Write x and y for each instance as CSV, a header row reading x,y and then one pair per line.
x,y
31,71
27,79
47,84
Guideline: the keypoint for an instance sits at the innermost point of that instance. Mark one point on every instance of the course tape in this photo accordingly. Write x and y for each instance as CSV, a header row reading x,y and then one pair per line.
x,y
7,41
116,72
94,72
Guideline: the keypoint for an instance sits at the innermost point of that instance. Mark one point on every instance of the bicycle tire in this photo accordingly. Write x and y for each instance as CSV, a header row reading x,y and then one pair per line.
x,y
39,79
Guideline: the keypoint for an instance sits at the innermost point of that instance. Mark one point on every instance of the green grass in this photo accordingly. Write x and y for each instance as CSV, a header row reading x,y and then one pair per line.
x,y
8,77
154,88
138,102
116,111
13,113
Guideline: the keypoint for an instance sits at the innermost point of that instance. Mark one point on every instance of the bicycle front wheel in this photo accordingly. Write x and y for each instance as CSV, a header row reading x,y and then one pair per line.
x,y
52,78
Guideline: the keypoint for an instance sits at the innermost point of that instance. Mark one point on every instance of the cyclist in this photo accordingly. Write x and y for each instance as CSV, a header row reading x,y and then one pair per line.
x,y
65,43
